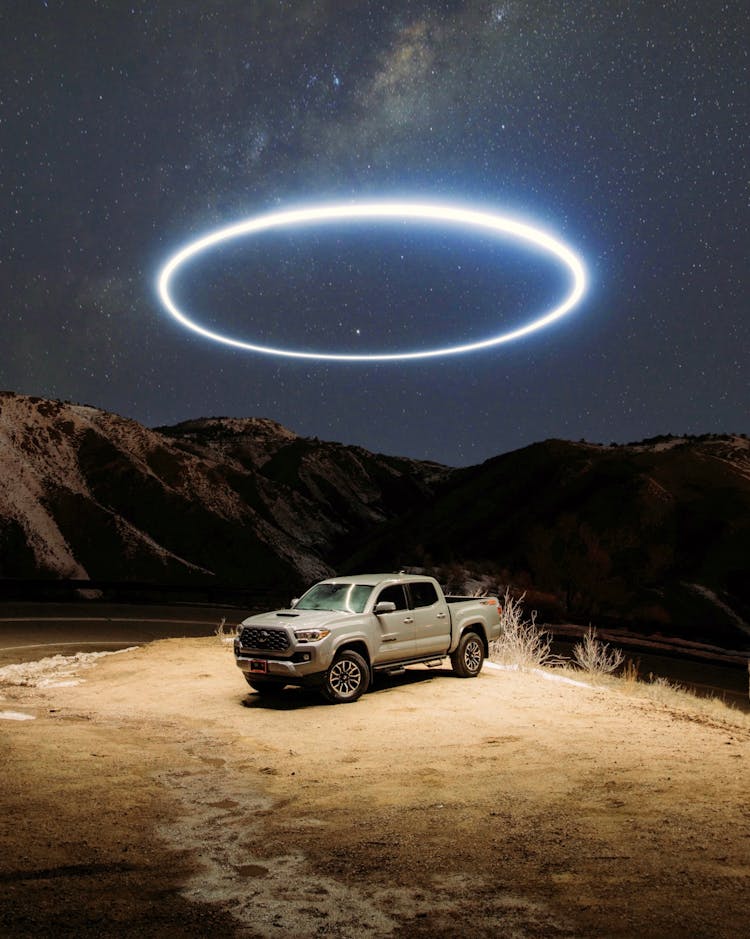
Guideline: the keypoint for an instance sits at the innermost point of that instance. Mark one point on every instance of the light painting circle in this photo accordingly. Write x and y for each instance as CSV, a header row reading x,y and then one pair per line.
x,y
447,215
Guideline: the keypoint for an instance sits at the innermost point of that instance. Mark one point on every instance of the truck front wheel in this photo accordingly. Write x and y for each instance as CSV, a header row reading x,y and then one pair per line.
x,y
347,679
468,658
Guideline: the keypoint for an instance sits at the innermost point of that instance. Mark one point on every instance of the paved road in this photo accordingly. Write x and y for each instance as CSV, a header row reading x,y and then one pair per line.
x,y
31,631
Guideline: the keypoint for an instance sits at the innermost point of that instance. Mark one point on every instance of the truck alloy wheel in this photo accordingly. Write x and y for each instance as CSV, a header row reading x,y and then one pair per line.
x,y
468,658
347,679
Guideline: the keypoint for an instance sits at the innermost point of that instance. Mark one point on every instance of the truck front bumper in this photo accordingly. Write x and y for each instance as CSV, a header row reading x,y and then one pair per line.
x,y
297,669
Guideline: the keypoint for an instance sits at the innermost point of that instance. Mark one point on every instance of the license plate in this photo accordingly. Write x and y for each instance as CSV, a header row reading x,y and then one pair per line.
x,y
258,666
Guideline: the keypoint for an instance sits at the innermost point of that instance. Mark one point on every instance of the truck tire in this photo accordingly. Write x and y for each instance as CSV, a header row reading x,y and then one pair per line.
x,y
468,658
347,679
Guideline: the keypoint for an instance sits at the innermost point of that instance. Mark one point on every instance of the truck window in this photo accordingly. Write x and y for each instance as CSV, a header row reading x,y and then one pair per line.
x,y
393,594
349,598
423,593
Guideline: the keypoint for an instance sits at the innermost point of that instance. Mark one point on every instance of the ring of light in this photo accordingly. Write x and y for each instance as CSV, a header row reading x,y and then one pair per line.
x,y
407,211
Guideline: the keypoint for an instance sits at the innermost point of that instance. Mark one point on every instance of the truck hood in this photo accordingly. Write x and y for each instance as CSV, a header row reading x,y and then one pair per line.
x,y
297,619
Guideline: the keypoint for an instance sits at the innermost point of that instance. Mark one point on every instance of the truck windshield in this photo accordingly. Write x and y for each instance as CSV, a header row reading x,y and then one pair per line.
x,y
349,598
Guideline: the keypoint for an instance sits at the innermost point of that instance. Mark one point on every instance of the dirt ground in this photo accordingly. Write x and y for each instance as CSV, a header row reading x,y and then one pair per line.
x,y
161,797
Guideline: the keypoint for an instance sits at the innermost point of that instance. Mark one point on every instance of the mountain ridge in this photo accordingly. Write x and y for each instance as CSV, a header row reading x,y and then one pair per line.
x,y
87,493
655,532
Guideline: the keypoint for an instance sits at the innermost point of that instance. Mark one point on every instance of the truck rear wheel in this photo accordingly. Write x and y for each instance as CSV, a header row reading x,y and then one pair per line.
x,y
468,658
347,679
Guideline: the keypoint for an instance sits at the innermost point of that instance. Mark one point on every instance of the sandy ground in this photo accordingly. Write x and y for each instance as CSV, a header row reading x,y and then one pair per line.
x,y
160,797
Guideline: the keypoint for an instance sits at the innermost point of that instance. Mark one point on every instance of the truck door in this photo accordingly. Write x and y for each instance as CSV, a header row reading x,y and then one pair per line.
x,y
396,629
432,620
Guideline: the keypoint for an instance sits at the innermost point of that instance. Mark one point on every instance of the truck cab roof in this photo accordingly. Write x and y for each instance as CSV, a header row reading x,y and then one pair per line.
x,y
373,580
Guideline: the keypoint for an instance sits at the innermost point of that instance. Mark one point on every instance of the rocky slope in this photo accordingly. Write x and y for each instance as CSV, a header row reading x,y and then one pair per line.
x,y
656,533
87,494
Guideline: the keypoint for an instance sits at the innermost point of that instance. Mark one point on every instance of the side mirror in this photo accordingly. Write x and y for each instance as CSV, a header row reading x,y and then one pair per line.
x,y
385,606
293,603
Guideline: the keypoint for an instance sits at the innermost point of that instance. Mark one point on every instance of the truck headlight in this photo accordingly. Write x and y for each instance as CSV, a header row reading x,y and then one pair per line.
x,y
311,635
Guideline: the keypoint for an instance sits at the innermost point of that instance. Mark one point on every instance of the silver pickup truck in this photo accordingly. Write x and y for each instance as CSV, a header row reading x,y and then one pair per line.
x,y
344,630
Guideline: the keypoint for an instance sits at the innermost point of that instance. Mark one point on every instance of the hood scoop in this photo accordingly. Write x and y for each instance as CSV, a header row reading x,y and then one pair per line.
x,y
290,615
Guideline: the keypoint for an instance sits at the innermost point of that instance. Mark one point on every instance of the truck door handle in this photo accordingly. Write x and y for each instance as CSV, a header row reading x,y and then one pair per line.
x,y
409,619
440,615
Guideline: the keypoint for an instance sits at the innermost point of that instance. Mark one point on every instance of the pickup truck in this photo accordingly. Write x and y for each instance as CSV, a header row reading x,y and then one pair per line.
x,y
344,630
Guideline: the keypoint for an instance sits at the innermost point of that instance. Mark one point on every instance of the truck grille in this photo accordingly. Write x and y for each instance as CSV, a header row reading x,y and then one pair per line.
x,y
269,640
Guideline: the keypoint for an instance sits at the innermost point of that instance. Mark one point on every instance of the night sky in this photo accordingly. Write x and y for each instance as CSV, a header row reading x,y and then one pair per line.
x,y
128,129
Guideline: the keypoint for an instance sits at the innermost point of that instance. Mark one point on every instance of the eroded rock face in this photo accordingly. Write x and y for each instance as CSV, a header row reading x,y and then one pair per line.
x,y
85,493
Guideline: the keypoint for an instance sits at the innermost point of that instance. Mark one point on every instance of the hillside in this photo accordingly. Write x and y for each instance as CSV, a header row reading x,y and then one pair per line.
x,y
655,533
87,494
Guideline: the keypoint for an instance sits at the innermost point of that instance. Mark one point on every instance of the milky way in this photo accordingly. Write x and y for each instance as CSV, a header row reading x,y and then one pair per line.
x,y
127,129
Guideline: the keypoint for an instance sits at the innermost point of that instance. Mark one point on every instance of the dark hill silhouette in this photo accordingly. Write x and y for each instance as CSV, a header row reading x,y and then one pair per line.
x,y
654,534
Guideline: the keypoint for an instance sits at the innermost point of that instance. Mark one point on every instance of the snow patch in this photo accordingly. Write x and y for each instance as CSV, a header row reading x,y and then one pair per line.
x,y
56,671
667,445
15,716
547,676
133,537
272,904
659,447
85,410
718,602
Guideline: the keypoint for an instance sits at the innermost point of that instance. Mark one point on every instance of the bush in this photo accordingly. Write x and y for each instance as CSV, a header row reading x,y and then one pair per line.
x,y
596,657
521,642
226,633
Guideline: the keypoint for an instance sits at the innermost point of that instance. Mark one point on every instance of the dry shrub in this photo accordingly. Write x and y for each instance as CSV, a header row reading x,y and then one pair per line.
x,y
663,690
685,703
521,643
595,656
631,671
220,630
224,633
